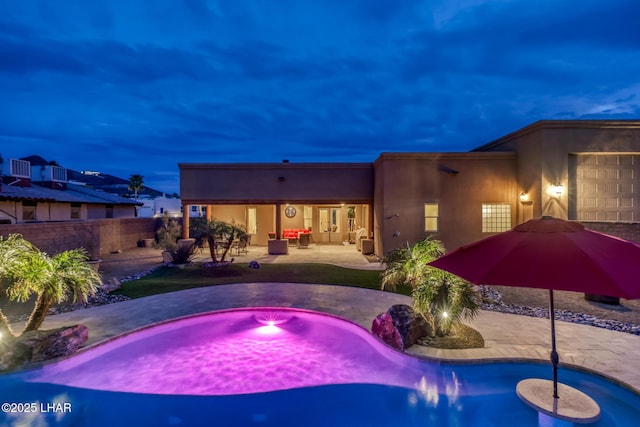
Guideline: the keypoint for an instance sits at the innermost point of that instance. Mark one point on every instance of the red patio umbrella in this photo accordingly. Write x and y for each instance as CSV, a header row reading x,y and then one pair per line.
x,y
550,253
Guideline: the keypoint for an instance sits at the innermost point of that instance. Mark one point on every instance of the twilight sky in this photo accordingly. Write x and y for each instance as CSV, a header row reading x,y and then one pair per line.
x,y
136,86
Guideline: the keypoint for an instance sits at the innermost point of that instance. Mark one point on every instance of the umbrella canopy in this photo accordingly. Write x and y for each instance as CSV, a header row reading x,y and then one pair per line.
x,y
550,253
553,254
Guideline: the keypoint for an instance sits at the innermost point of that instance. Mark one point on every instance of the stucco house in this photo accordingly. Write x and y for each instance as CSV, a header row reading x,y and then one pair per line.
x,y
41,192
577,170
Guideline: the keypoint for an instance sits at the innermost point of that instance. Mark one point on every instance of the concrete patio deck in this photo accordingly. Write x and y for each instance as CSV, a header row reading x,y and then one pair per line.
x,y
613,354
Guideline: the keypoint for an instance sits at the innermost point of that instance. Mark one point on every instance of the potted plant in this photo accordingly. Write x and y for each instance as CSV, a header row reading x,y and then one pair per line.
x,y
93,254
167,236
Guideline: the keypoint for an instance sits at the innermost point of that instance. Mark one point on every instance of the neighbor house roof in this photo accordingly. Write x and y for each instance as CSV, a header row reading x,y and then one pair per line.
x,y
73,194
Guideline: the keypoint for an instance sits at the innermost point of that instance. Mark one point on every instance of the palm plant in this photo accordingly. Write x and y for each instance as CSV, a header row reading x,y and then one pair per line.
x,y
136,183
445,300
442,298
217,231
13,251
56,279
408,265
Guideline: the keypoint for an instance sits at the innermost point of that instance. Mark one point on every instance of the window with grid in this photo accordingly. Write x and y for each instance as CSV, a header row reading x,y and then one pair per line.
x,y
430,217
496,217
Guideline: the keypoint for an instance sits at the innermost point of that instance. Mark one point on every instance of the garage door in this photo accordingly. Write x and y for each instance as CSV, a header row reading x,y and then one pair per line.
x,y
606,187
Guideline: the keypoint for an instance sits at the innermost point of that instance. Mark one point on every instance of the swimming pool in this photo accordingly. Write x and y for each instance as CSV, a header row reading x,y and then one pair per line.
x,y
274,366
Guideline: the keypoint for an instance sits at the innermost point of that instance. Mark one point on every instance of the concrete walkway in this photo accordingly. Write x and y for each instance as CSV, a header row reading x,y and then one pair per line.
x,y
614,354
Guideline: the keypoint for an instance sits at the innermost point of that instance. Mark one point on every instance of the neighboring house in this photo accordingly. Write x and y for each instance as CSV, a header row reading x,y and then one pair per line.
x,y
41,192
171,206
153,202
110,184
577,170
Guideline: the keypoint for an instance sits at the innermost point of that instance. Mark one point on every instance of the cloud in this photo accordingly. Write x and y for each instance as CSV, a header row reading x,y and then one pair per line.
x,y
205,80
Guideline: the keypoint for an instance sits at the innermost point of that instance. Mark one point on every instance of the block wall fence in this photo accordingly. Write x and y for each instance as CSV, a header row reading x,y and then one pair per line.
x,y
98,236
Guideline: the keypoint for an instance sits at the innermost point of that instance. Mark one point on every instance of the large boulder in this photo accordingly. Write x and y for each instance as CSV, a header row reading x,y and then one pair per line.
x,y
383,328
59,342
400,327
411,325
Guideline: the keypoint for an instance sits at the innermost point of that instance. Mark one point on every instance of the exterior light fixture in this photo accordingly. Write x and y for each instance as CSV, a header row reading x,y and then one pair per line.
x,y
524,199
445,314
557,190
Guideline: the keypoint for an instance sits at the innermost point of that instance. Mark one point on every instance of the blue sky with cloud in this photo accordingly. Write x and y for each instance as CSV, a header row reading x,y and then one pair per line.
x,y
136,86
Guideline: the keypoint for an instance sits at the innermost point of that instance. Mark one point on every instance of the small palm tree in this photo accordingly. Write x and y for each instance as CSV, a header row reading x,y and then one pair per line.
x,y
215,231
442,298
445,300
56,279
408,265
136,183
13,251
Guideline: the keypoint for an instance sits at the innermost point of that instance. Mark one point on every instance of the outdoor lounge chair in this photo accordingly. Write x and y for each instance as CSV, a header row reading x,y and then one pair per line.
x,y
240,246
303,240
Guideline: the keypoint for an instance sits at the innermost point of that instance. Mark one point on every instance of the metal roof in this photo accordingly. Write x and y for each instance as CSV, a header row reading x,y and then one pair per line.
x,y
73,194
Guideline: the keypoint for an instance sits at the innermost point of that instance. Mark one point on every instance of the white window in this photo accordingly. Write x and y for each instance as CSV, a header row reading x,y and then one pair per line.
x,y
252,221
430,217
308,217
496,217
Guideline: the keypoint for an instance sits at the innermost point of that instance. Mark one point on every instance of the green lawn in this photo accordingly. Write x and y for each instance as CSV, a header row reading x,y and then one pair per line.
x,y
167,279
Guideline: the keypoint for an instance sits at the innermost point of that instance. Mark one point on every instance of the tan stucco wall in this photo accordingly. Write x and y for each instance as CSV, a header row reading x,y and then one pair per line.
x,y
404,182
59,212
543,150
233,214
9,210
279,182
96,211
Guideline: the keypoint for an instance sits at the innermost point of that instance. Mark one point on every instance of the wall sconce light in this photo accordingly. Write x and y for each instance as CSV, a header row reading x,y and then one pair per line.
x,y
524,199
557,190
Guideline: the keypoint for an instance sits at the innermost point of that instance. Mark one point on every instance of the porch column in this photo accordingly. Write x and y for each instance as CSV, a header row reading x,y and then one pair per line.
x,y
209,213
370,220
185,221
278,221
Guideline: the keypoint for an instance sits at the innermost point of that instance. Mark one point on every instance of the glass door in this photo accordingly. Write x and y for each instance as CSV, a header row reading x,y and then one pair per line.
x,y
330,231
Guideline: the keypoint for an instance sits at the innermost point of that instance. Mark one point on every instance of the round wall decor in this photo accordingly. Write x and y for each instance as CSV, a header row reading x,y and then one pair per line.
x,y
290,211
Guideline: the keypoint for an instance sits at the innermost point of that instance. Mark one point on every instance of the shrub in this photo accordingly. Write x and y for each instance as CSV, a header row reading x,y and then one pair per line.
x,y
442,298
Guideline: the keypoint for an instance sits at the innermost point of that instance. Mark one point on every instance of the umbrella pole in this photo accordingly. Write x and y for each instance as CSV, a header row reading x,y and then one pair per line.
x,y
554,354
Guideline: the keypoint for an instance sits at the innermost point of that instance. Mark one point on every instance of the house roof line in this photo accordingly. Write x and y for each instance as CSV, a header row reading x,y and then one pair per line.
x,y
558,124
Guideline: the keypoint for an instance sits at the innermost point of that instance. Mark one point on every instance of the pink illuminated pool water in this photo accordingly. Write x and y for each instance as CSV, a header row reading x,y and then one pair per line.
x,y
282,367
235,352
